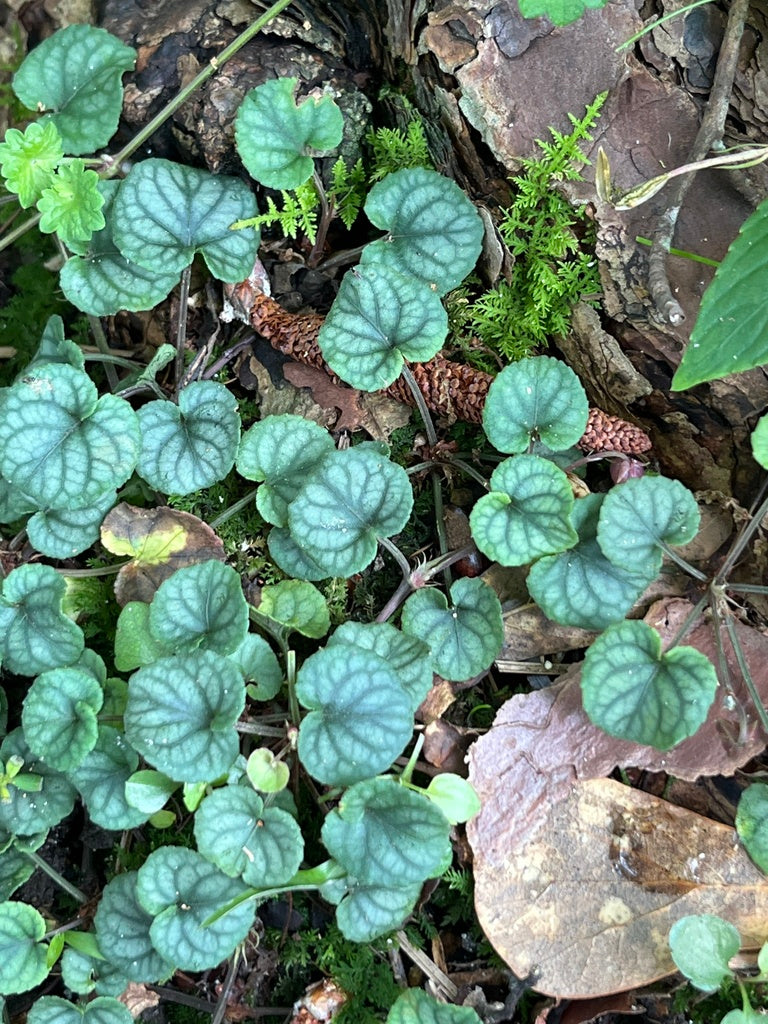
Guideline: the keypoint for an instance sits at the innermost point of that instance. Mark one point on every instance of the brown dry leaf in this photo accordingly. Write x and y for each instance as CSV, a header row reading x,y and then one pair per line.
x,y
327,393
138,998
583,902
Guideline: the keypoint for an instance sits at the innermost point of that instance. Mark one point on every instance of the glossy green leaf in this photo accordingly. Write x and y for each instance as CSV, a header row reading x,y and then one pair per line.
x,y
192,445
34,633
181,889
148,791
259,666
731,329
465,638
63,533
71,205
181,715
360,715
122,926
701,946
539,398
102,1010
414,1006
759,442
60,443
200,606
297,605
292,558
407,655
84,974
580,587
99,280
134,643
234,831
527,513
101,779
265,773
34,809
633,691
559,12
282,451
354,497
22,953
59,716
28,160
752,823
371,910
434,233
638,516
380,318
166,212
455,797
383,832
277,138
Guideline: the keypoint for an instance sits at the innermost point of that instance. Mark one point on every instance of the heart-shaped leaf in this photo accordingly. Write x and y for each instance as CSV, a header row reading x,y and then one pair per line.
x,y
382,832
701,945
60,443
181,715
369,910
580,587
62,533
455,797
259,667
276,138
99,280
407,655
22,953
414,1006
752,822
633,691
182,890
28,813
242,838
354,497
434,233
101,778
35,635
192,445
166,212
293,559
76,73
84,974
360,715
102,1010
638,516
265,773
282,451
15,869
122,926
535,399
59,716
134,643
379,319
465,638
527,513
297,605
759,442
201,606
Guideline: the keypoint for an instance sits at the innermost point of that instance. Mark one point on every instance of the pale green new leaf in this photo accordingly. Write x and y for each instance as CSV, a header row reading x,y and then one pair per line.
x,y
28,160
200,606
22,953
35,635
59,716
192,445
701,946
148,791
71,205
122,927
759,442
559,12
297,605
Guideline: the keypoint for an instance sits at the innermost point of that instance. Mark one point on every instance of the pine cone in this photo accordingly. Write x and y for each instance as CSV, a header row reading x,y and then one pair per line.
x,y
606,433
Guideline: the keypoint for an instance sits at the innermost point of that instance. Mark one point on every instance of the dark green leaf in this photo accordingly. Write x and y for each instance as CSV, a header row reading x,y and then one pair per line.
x,y
34,633
407,655
59,716
122,926
22,953
414,1006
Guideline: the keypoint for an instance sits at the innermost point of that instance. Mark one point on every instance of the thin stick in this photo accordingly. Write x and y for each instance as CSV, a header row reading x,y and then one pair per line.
x,y
53,874
181,330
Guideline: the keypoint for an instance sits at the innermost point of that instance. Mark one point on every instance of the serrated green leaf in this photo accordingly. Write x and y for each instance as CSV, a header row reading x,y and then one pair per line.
x,y
99,280
360,715
182,890
84,974
192,445
22,953
638,516
234,831
165,212
527,513
752,823
354,497
414,1006
536,398
59,716
633,691
759,442
731,328
297,605
76,73
63,533
28,160
71,204
101,779
34,809
580,587
409,656
259,666
282,451
465,638
200,607
102,1010
122,926
434,233
148,790
455,797
701,945
34,634
382,832
181,715
379,319
559,12
371,910
60,443
276,138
